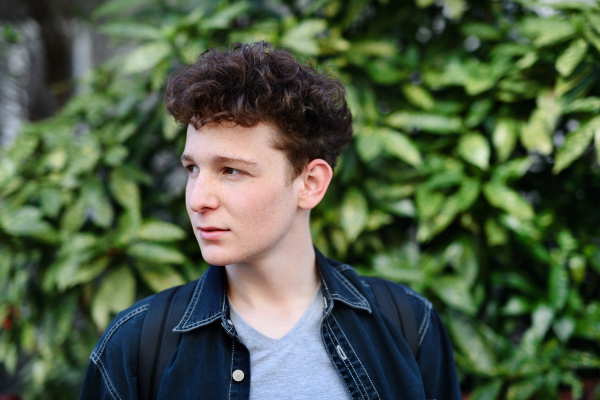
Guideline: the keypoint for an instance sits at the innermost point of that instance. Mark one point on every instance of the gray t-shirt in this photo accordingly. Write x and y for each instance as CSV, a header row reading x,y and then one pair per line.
x,y
295,366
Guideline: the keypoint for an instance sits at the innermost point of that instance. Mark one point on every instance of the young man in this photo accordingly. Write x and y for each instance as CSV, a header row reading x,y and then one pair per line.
x,y
272,318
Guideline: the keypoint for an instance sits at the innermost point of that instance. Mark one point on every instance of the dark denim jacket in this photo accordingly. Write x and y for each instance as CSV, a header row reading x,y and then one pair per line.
x,y
366,348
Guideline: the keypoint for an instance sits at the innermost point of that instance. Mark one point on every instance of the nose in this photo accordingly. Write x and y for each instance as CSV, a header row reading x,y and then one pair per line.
x,y
201,193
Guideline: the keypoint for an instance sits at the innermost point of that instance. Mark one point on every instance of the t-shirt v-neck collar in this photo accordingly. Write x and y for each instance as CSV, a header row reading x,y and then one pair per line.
x,y
312,315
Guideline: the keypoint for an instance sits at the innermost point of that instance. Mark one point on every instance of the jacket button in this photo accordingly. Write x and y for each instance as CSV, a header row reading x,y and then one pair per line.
x,y
238,375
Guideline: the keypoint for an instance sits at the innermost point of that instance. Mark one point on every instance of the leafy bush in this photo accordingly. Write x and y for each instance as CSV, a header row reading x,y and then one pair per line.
x,y
472,178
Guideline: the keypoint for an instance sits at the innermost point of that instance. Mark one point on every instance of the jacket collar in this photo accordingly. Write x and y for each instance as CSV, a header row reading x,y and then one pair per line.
x,y
209,301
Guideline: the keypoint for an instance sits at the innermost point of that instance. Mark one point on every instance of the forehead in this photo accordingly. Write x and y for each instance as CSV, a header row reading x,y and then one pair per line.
x,y
255,144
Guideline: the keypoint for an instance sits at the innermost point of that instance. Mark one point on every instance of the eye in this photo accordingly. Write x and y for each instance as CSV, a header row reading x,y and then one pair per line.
x,y
232,171
191,169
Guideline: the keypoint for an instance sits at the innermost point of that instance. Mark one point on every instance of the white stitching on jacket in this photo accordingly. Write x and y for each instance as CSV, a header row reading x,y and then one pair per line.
x,y
111,388
356,355
118,324
188,312
346,362
427,318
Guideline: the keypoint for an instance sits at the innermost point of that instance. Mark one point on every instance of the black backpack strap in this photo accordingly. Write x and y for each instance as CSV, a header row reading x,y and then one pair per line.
x,y
158,342
395,303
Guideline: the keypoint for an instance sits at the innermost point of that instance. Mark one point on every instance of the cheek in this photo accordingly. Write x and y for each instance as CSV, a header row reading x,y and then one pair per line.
x,y
267,206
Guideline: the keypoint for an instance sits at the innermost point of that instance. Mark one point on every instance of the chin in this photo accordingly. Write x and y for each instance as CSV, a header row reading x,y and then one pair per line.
x,y
219,256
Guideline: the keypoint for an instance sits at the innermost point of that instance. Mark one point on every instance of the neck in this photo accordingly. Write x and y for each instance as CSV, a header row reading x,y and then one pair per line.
x,y
284,277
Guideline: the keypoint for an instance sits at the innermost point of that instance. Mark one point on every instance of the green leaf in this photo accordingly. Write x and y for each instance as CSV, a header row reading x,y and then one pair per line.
x,y
577,268
424,3
427,122
115,155
26,221
50,201
384,72
592,37
504,137
488,391
525,388
98,203
222,18
575,144
113,7
56,160
475,149
566,241
535,135
155,253
74,216
516,305
85,156
354,214
125,190
170,127
125,132
459,202
454,9
482,30
133,30
374,48
594,19
572,380
301,38
508,200
470,342
116,293
597,143
377,219
160,231
495,233
428,202
399,145
127,227
576,359
483,77
564,328
558,288
402,208
160,278
454,291
368,147
571,57
546,31
587,325
420,97
526,229
145,57
514,169
542,317
587,104
478,112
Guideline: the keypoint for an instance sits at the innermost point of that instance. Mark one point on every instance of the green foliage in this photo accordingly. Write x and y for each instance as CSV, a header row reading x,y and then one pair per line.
x,y
473,177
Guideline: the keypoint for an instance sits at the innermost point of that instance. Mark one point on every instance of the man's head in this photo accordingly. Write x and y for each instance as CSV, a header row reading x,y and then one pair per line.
x,y
247,84
263,135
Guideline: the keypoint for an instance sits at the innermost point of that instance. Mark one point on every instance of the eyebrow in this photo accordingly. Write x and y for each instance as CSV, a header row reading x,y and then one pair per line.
x,y
221,160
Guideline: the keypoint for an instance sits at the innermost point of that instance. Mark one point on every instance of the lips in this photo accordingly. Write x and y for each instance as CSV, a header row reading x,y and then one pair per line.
x,y
211,232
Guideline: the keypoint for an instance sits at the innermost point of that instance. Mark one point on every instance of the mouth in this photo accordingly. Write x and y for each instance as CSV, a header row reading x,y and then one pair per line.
x,y
211,232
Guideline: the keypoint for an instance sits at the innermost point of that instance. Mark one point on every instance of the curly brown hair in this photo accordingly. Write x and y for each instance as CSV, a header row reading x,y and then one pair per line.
x,y
251,83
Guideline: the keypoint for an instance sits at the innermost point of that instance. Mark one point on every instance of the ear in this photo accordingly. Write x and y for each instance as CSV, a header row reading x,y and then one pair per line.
x,y
314,183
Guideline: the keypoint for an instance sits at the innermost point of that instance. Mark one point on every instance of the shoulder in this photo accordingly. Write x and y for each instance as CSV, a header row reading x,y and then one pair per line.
x,y
112,369
422,307
124,330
